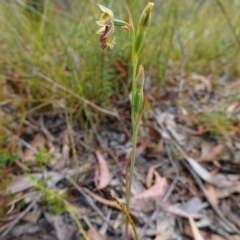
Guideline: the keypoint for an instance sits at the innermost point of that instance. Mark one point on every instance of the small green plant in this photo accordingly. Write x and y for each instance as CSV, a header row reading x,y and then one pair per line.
x,y
43,158
219,123
7,158
108,22
51,199
58,203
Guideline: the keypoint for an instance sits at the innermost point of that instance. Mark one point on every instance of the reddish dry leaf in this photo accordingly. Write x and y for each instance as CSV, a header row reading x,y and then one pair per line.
x,y
147,200
201,129
3,201
94,235
158,189
154,135
214,154
144,144
38,142
102,175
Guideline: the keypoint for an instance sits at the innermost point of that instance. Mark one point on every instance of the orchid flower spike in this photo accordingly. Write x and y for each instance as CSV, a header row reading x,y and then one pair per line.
x,y
107,24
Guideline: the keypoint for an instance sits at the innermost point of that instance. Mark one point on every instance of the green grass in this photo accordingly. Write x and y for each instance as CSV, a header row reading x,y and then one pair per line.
x,y
62,45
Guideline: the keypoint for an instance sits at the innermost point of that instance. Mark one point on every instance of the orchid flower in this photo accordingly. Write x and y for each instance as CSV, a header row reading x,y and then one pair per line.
x,y
106,21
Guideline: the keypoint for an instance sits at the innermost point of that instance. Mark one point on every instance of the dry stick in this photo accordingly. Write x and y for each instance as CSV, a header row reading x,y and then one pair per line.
x,y
24,143
91,104
71,138
205,193
165,198
89,201
44,129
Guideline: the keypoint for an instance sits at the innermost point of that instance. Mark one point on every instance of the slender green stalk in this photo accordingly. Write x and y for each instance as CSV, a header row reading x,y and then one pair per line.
x,y
130,177
134,70
44,17
107,22
135,130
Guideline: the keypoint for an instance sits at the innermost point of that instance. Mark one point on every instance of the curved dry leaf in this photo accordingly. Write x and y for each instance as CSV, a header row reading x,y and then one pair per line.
x,y
63,232
212,154
158,189
147,200
102,175
196,233
200,129
182,213
227,191
204,80
65,151
205,83
22,183
154,135
232,107
212,194
94,235
150,174
217,237
218,180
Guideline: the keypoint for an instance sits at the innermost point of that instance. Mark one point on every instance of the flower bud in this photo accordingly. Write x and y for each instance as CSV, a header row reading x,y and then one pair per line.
x,y
138,94
142,26
138,100
145,17
119,23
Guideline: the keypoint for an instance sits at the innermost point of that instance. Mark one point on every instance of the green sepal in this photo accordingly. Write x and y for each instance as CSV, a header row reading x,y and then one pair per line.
x,y
138,100
139,40
119,23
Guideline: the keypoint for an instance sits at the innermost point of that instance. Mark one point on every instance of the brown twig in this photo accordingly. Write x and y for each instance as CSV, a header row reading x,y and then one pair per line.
x,y
24,143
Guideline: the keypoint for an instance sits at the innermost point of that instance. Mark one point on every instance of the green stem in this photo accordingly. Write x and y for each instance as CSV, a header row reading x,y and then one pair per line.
x,y
134,134
44,17
130,177
134,70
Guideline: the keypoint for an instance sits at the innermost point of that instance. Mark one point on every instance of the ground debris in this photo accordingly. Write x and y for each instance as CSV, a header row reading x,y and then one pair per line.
x,y
186,180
